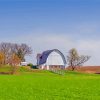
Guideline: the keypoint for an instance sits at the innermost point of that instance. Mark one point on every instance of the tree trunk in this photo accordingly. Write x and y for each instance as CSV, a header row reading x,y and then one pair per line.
x,y
73,68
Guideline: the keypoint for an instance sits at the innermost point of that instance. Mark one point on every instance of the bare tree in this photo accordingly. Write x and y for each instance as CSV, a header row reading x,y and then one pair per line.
x,y
23,50
8,49
75,60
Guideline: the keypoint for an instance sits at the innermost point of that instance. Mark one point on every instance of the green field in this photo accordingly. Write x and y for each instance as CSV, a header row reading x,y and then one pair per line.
x,y
45,85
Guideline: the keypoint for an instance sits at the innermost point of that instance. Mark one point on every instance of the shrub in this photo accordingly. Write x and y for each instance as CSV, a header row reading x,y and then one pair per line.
x,y
32,66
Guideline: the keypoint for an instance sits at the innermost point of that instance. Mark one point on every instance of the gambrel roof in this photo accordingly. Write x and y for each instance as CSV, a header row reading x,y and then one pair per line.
x,y
45,54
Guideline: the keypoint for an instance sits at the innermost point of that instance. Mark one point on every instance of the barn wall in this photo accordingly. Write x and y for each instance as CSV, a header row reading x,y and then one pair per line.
x,y
54,59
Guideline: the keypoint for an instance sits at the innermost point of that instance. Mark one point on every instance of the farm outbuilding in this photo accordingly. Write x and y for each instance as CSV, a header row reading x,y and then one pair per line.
x,y
51,59
24,63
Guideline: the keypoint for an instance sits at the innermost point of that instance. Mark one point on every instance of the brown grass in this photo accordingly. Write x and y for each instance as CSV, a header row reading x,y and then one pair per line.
x,y
88,69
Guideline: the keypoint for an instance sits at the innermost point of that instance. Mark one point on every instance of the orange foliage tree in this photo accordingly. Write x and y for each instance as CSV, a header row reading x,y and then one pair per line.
x,y
2,57
15,62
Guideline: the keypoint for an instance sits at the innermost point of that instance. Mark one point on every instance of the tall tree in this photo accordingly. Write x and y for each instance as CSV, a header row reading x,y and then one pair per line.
x,y
23,50
74,59
5,49
2,57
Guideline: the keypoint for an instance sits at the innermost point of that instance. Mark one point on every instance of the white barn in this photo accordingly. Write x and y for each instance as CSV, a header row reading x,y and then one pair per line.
x,y
51,59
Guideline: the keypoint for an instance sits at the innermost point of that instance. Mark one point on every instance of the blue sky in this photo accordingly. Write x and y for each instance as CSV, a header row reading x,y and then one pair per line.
x,y
48,24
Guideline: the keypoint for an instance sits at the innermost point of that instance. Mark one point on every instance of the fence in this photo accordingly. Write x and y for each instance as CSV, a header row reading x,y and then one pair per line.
x,y
60,72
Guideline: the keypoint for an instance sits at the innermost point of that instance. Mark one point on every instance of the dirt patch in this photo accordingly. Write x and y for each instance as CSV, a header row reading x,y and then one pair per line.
x,y
6,73
88,69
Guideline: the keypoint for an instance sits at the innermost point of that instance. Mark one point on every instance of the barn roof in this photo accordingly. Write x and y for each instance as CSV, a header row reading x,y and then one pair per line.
x,y
45,54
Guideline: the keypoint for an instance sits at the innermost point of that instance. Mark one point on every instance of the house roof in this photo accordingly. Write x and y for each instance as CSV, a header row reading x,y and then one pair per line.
x,y
45,54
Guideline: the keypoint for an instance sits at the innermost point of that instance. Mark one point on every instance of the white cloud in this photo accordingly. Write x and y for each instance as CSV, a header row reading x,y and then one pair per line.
x,y
92,48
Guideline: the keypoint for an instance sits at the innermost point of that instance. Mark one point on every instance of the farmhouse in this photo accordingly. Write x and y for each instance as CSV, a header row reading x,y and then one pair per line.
x,y
51,59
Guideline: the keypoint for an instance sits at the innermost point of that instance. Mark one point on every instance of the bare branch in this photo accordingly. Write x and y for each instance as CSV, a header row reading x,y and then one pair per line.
x,y
75,60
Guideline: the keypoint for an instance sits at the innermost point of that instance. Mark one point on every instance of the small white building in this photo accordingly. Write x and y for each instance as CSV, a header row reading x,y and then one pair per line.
x,y
51,59
24,63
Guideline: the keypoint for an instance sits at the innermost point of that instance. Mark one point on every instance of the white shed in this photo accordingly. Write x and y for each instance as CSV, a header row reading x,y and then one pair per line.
x,y
24,63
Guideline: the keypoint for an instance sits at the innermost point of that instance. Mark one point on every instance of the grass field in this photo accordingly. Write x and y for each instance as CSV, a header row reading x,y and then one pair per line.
x,y
44,85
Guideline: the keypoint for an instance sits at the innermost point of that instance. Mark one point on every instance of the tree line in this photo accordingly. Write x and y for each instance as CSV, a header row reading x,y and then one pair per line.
x,y
13,53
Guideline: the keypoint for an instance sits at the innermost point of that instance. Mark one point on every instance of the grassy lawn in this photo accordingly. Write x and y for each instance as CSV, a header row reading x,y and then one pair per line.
x,y
44,85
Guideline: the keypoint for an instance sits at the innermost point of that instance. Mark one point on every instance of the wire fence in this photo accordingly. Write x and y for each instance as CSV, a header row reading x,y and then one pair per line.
x,y
59,72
